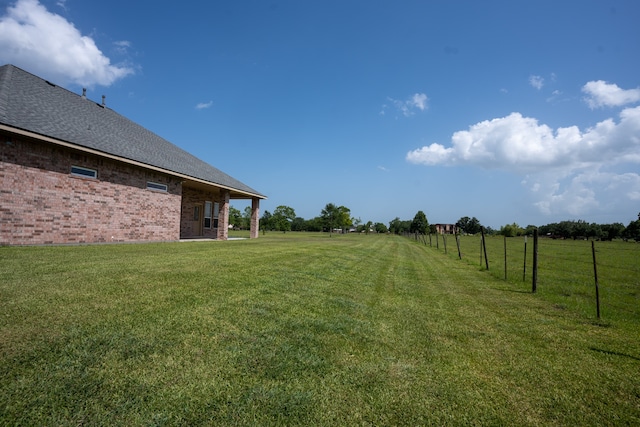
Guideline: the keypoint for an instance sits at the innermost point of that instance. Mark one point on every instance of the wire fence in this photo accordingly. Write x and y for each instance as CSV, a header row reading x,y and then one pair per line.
x,y
568,271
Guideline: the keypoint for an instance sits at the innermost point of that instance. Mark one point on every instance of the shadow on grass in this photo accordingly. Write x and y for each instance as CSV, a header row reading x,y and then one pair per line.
x,y
614,353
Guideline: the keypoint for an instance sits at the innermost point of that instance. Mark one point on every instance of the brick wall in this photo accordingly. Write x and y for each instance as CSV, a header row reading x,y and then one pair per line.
x,y
42,203
192,226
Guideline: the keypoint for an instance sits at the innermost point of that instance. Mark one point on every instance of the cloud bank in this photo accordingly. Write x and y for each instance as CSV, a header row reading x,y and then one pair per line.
x,y
48,45
567,170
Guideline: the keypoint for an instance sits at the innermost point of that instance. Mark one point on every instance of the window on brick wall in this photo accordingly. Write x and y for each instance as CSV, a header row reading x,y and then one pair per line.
x,y
156,186
207,214
216,209
84,172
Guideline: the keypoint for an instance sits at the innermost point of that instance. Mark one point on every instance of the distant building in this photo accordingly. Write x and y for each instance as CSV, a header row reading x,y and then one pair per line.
x,y
446,228
74,171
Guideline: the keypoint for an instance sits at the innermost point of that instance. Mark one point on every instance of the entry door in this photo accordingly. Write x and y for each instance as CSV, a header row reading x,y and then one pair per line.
x,y
197,220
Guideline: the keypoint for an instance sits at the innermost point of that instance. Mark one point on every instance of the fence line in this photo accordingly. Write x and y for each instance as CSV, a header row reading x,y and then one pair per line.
x,y
566,271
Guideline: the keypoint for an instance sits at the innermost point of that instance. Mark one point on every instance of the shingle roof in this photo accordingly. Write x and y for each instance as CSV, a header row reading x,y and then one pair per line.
x,y
30,103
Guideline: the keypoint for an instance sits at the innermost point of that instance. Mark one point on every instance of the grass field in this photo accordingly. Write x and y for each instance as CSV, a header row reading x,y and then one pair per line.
x,y
303,329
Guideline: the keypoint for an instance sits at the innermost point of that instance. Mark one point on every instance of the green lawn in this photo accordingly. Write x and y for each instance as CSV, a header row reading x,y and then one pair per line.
x,y
302,329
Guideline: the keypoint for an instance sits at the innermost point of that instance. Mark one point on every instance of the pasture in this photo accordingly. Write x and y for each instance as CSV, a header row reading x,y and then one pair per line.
x,y
303,329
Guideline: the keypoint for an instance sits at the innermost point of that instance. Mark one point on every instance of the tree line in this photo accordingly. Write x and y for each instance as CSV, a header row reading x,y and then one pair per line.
x,y
334,218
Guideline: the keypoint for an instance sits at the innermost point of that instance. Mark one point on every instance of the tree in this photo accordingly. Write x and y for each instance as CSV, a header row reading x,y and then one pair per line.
x,y
235,217
265,221
380,227
335,217
469,225
398,226
314,224
367,227
419,224
282,218
511,230
246,218
633,230
612,231
298,224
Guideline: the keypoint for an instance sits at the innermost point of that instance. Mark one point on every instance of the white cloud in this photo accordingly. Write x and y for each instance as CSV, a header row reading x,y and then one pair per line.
x,y
417,101
203,105
46,44
603,94
536,81
566,170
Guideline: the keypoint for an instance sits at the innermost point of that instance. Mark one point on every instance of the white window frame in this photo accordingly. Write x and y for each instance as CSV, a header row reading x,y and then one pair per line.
x,y
207,215
83,172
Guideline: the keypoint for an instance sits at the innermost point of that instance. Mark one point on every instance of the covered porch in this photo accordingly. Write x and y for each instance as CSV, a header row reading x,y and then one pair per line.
x,y
204,210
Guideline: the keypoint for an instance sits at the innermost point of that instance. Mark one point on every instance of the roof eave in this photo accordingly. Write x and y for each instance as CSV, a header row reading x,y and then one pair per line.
x,y
33,135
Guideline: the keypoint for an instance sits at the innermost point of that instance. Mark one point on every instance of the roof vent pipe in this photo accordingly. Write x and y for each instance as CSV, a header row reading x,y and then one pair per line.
x,y
103,98
84,93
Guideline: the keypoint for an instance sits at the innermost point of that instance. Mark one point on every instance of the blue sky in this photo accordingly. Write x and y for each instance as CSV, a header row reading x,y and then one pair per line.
x,y
509,111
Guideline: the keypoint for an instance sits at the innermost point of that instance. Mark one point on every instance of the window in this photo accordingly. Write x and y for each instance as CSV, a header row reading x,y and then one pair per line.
x,y
196,213
156,186
216,209
84,172
207,214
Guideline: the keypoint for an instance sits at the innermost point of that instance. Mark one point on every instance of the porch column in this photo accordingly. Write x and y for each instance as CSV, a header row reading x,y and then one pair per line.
x,y
223,215
255,218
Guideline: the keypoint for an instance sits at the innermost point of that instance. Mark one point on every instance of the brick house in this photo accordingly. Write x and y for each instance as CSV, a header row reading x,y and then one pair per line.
x,y
74,171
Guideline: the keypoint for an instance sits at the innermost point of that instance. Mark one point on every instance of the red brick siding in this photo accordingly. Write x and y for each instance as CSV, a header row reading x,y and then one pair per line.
x,y
189,227
41,203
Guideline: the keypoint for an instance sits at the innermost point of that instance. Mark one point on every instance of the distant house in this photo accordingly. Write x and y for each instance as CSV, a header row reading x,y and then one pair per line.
x,y
446,228
74,171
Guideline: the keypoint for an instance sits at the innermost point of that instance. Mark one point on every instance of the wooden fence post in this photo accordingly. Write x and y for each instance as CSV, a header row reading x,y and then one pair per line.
x,y
534,281
444,241
595,274
524,268
458,243
484,248
505,258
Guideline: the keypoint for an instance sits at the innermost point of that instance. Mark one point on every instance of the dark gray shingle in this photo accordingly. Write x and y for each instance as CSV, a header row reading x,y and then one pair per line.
x,y
30,103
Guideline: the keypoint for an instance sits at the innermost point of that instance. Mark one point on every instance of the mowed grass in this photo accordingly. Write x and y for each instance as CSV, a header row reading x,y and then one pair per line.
x,y
297,329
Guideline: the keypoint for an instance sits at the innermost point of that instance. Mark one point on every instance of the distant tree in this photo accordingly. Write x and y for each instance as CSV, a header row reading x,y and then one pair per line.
x,y
314,224
612,231
345,220
298,224
528,231
235,217
419,224
633,230
246,218
335,217
397,226
594,231
380,227
394,225
265,221
282,218
511,230
368,227
469,225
